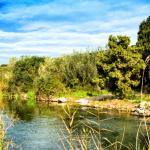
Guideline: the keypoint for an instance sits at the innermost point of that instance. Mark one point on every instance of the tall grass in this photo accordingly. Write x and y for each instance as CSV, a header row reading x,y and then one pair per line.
x,y
1,133
87,134
4,145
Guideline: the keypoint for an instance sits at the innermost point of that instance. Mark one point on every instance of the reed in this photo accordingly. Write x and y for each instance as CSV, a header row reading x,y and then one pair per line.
x,y
1,133
4,145
86,134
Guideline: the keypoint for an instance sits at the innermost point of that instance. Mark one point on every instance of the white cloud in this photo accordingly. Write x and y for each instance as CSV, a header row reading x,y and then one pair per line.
x,y
45,36
42,37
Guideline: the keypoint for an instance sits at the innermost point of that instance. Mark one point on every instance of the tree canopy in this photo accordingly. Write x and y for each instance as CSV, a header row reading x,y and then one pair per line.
x,y
120,65
143,44
24,72
118,68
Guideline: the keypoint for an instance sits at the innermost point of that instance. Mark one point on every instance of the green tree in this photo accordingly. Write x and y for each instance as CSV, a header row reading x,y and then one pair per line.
x,y
80,70
49,86
144,44
24,72
120,65
48,82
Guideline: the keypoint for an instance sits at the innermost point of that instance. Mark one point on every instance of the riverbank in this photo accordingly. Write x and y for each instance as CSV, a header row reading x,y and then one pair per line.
x,y
103,101
41,130
107,102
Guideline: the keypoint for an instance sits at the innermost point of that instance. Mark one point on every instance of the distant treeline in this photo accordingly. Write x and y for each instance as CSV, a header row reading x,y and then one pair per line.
x,y
119,68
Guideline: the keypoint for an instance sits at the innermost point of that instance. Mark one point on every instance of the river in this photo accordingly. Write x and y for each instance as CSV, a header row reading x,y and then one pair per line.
x,y
39,128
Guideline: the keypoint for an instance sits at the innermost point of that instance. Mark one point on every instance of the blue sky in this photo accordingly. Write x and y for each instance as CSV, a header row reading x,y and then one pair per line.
x,y
57,27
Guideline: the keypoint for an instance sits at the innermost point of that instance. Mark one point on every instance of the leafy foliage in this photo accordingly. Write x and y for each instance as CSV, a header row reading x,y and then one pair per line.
x,y
144,44
48,82
144,37
120,65
24,72
80,70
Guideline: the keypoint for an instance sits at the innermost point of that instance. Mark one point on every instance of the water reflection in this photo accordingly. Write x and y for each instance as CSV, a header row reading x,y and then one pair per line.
x,y
21,110
38,126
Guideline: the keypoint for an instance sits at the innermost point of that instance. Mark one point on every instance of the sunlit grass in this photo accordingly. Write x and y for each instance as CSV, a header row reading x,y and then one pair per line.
x,y
75,94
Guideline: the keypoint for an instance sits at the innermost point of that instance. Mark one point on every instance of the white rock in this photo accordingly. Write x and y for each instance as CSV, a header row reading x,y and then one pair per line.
x,y
142,104
83,101
140,111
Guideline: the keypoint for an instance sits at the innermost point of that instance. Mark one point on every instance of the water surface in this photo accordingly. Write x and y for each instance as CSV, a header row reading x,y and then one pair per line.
x,y
39,128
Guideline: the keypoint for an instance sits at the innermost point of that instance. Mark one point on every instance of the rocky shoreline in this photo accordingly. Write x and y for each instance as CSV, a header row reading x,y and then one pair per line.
x,y
143,109
107,102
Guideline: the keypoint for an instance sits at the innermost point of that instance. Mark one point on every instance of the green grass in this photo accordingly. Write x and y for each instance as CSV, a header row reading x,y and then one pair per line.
x,y
84,93
136,98
31,97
